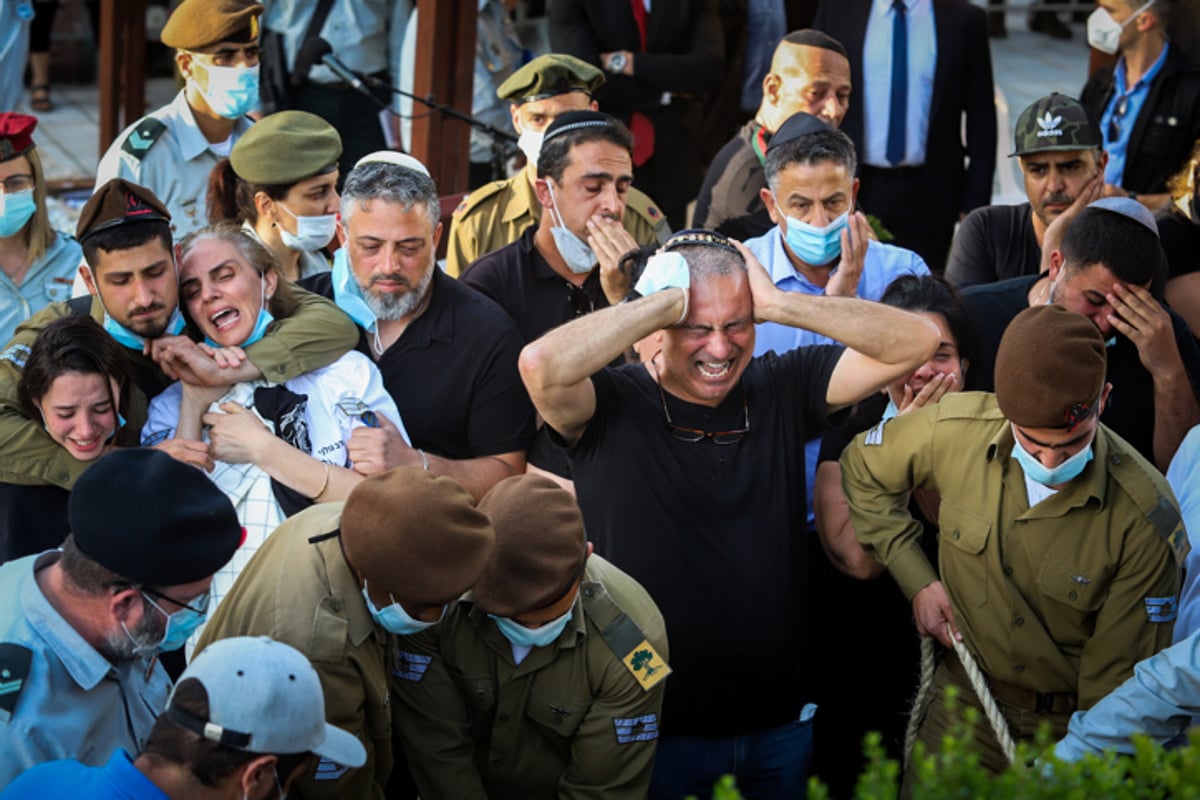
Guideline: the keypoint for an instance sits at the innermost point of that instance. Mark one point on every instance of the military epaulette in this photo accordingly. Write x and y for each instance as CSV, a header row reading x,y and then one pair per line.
x,y
14,668
142,138
479,195
1147,494
625,638
641,205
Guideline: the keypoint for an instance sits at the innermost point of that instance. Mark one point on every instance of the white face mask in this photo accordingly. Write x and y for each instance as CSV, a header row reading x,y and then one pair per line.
x,y
579,256
530,143
312,233
1104,33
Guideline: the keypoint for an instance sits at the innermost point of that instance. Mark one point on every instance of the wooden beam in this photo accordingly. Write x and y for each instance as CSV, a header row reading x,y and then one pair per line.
x,y
444,67
122,71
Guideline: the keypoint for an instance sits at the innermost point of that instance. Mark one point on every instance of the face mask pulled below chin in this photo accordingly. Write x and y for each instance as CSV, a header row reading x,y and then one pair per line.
x,y
580,258
132,340
1064,472
530,143
264,319
395,619
312,233
1104,33
232,91
348,295
16,209
521,636
813,245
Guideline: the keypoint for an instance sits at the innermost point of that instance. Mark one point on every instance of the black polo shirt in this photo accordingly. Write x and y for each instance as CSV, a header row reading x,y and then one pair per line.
x,y
1130,409
534,295
994,243
453,373
713,532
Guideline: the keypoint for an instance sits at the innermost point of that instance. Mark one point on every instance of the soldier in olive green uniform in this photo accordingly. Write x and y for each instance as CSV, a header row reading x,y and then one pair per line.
x,y
1060,546
498,213
338,580
546,681
126,240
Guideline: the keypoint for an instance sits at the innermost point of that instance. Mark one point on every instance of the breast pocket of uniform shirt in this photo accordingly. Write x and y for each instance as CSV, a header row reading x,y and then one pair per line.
x,y
553,711
963,538
1078,594
478,696
57,290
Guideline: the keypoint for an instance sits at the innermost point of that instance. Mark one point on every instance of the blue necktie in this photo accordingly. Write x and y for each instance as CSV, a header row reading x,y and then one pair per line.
x,y
898,112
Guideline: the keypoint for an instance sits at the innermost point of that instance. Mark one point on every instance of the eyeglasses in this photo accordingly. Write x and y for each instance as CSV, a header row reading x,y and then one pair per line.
x,y
581,301
17,183
199,605
1114,122
685,434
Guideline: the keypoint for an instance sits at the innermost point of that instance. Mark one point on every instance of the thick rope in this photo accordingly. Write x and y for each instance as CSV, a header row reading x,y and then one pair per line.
x,y
924,695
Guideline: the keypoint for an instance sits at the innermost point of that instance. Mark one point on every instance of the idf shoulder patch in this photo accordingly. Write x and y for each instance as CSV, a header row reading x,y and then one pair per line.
x,y
14,668
327,770
16,355
1166,520
636,729
1162,609
142,138
635,651
411,666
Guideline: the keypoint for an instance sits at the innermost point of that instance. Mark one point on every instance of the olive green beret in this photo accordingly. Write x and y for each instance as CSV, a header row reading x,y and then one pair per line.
x,y
286,147
1050,368
119,202
197,24
547,76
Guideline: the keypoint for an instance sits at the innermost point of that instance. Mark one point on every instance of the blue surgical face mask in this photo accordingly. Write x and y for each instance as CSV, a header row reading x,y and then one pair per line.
x,y
395,619
232,91
133,341
180,625
521,636
1064,472
18,210
348,294
579,257
813,245
265,318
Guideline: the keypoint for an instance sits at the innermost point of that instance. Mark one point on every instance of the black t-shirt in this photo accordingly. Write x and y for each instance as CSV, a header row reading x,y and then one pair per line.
x,y
1180,241
453,373
994,243
729,201
713,532
32,519
1130,408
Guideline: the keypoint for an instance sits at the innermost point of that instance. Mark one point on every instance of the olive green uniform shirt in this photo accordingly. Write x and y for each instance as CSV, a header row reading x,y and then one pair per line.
x,y
303,593
498,213
570,721
315,336
1063,597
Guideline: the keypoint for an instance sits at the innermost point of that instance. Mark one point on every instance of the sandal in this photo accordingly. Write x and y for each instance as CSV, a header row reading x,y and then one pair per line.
x,y
39,99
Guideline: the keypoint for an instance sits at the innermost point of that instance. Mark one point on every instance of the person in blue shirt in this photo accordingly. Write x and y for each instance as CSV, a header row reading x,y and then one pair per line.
x,y
244,721
37,263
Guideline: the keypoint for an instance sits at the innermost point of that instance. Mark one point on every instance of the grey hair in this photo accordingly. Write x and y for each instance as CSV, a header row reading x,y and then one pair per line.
x,y
832,146
706,261
392,184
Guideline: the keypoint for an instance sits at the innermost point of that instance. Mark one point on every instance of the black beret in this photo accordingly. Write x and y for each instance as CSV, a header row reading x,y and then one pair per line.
x,y
152,519
795,126
1050,368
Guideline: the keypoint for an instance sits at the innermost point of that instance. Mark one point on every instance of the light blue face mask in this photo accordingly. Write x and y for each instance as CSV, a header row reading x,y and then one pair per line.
x,y
265,318
232,91
18,210
348,294
395,619
132,340
521,636
813,245
1064,472
576,253
180,625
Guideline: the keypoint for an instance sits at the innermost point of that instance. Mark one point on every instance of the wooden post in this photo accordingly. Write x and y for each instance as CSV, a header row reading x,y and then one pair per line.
x,y
444,67
122,73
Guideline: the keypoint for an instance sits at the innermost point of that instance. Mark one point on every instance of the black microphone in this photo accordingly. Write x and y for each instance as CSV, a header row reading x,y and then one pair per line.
x,y
310,53
343,72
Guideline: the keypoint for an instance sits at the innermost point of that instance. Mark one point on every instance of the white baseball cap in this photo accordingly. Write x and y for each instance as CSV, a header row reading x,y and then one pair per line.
x,y
394,158
264,697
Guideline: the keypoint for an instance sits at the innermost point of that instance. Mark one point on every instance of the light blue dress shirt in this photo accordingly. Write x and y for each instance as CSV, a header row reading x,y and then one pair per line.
x,y
1134,99
15,19
119,779
1182,475
74,703
48,281
882,264
876,79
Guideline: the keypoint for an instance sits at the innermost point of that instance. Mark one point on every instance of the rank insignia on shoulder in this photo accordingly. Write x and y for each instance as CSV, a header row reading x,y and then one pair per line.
x,y
327,770
14,668
652,212
142,138
646,665
16,355
875,435
636,729
411,666
461,205
1162,609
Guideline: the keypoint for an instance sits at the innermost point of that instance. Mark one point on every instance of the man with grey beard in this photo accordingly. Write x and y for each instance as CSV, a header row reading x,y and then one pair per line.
x,y
81,627
447,353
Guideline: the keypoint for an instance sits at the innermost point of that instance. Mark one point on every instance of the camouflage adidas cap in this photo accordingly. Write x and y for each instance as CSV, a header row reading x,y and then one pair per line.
x,y
1056,122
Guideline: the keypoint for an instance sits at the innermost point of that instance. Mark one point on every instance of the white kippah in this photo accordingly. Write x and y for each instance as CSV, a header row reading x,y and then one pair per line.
x,y
395,158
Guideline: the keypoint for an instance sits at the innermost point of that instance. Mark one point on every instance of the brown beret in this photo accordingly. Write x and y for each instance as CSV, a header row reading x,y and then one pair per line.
x,y
16,134
540,545
550,75
197,24
1050,368
416,535
119,202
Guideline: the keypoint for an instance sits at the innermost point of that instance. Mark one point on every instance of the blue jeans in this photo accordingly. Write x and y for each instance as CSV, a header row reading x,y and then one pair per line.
x,y
769,764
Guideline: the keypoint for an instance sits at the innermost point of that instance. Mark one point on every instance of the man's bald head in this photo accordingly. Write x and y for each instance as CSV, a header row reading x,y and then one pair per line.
x,y
809,73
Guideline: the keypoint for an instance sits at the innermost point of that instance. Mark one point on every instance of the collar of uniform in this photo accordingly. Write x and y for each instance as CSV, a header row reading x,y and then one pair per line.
x,y
192,143
524,202
85,665
344,587
577,623
1094,482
